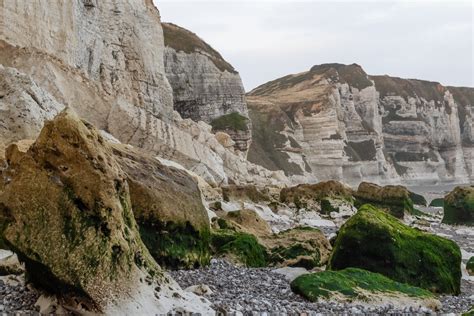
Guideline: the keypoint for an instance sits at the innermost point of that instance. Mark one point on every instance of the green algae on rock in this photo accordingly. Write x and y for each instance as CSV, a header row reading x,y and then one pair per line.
x,y
306,195
242,247
459,206
301,246
378,242
395,199
417,199
167,205
470,266
70,216
351,283
244,237
438,202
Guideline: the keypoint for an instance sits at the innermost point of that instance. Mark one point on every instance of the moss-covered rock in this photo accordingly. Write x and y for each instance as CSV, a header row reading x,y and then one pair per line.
x,y
470,266
167,205
240,247
376,241
70,218
395,199
352,284
306,195
439,202
459,206
245,238
470,312
417,199
298,247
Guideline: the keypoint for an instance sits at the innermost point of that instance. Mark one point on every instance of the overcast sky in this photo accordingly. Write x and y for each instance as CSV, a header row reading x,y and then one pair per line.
x,y
264,40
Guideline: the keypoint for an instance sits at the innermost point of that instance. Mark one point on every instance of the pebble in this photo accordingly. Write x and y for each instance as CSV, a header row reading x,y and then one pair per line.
x,y
241,289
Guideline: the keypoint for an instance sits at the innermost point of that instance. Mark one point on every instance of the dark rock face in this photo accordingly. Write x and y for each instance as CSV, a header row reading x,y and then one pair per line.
x,y
205,86
337,122
459,206
375,241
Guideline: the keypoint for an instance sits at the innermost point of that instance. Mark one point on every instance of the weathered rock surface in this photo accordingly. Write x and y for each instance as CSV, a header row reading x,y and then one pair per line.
x,y
117,45
205,86
376,241
69,218
105,60
306,195
459,206
336,122
395,199
168,208
354,284
24,106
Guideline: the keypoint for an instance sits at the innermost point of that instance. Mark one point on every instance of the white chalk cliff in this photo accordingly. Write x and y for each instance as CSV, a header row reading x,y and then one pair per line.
x,y
337,122
205,86
105,59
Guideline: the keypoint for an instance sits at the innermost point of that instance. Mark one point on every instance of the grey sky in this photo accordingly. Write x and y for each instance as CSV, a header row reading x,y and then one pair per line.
x,y
265,40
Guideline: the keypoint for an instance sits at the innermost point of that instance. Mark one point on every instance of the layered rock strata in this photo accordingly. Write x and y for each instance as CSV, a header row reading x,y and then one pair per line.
x,y
336,122
205,86
105,59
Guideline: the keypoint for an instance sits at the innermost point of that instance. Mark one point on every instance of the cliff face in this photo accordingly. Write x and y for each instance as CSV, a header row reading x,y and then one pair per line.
x,y
205,86
336,122
116,44
105,59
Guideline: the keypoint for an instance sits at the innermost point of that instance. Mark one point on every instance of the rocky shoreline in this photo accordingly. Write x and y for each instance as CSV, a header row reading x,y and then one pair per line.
x,y
263,290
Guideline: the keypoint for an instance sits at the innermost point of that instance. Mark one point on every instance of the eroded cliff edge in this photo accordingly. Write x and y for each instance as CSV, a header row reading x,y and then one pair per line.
x,y
205,86
105,60
336,122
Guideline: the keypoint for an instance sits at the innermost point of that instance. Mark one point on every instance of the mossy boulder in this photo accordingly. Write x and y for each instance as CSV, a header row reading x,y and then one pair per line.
x,y
248,193
353,284
167,205
376,241
69,216
305,247
459,206
417,199
239,247
394,199
438,202
307,195
245,238
470,266
470,312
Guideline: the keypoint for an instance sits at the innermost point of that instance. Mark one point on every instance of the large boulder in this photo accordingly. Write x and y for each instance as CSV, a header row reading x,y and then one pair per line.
x,y
459,206
246,238
395,199
300,246
69,218
306,195
355,284
245,193
378,242
168,207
